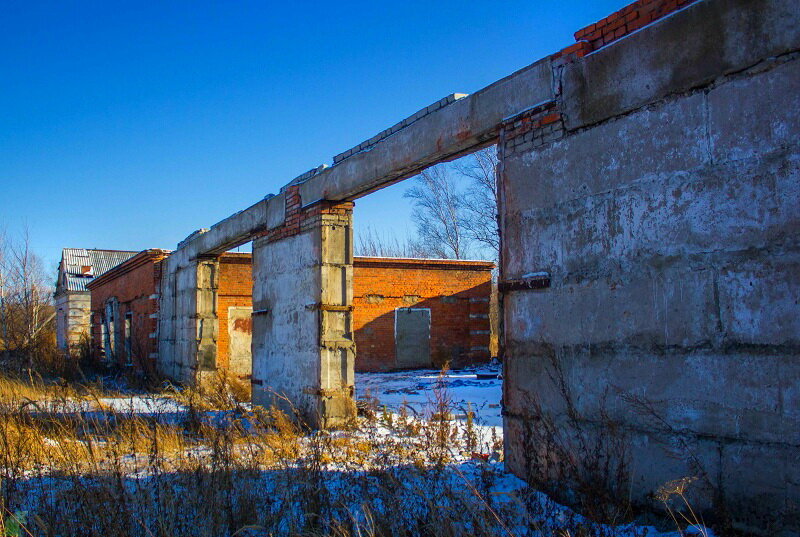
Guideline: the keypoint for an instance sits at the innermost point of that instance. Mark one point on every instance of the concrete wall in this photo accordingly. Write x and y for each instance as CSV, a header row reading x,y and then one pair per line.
x,y
303,349
186,303
662,197
197,301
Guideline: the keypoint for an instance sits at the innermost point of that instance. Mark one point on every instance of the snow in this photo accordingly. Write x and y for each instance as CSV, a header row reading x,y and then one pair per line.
x,y
465,390
420,393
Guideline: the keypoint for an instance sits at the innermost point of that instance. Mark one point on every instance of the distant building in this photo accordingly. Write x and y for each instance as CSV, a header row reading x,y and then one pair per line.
x,y
125,307
419,313
408,313
78,267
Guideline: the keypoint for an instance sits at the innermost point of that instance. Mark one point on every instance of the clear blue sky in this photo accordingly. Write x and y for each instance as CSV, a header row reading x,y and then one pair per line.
x,y
127,125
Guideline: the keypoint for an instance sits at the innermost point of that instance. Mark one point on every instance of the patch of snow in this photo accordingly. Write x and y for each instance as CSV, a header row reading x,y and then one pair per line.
x,y
465,390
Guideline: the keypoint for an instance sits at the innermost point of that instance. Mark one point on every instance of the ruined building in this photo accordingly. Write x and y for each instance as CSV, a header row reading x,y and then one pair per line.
x,y
408,313
77,268
649,208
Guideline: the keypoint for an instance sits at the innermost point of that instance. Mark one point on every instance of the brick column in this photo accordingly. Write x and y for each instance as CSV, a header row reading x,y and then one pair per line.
x,y
303,349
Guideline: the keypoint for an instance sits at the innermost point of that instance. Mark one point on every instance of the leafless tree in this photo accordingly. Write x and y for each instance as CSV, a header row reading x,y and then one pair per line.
x,y
370,243
27,310
438,213
479,203
456,222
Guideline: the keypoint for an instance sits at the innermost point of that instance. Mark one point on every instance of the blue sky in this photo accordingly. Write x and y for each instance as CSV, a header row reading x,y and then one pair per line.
x,y
129,125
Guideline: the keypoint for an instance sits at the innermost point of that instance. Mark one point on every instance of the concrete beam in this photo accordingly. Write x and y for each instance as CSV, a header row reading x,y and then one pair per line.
x,y
234,231
443,134
688,49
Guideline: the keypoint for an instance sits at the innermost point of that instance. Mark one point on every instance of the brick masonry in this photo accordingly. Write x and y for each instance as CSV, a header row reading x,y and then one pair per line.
x,y
456,292
133,288
235,290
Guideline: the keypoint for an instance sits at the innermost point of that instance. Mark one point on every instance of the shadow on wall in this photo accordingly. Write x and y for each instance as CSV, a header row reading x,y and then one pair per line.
x,y
411,332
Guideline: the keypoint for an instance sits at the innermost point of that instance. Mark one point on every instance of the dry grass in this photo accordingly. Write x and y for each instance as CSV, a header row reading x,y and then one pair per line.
x,y
219,469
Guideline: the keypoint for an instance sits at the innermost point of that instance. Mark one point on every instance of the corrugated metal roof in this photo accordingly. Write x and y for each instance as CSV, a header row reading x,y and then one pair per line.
x,y
99,262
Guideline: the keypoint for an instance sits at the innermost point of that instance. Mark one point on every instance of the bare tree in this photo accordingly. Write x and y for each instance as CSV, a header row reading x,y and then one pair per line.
x,y
438,213
3,285
479,203
27,310
370,243
456,222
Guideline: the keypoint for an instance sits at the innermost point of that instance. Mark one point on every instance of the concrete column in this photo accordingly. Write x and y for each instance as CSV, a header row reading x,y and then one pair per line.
x,y
205,316
188,325
303,348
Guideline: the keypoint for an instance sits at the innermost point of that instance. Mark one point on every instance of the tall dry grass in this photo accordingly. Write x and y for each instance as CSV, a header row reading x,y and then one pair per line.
x,y
71,464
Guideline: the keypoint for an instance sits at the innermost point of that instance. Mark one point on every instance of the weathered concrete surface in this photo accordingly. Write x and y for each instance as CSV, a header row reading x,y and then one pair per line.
x,y
303,350
694,46
668,218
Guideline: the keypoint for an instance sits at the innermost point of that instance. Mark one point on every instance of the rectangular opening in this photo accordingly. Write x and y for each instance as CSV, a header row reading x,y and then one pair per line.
x,y
128,338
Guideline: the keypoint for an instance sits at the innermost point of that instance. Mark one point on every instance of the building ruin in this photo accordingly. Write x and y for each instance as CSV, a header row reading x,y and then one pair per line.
x,y
78,267
407,313
649,208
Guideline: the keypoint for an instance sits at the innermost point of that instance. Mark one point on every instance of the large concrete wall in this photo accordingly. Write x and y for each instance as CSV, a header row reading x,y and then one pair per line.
x,y
188,326
663,201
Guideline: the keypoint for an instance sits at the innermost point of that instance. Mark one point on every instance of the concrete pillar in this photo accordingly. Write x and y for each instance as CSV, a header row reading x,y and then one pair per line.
x,y
303,348
188,325
205,317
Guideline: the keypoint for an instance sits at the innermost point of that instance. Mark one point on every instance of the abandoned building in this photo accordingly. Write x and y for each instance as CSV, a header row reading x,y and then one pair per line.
x,y
78,267
408,313
125,306
649,203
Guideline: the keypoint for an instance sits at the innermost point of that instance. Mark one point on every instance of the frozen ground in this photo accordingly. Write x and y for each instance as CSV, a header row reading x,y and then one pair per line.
x,y
477,389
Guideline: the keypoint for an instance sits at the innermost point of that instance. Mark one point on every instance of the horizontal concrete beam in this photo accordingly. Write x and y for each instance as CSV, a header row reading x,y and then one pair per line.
x,y
451,130
685,50
235,230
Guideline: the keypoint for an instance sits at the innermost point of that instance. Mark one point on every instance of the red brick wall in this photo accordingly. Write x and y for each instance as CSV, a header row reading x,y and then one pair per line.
x,y
235,289
135,285
457,294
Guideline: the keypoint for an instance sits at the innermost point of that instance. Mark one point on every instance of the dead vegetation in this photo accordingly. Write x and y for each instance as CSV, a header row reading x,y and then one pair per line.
x,y
77,460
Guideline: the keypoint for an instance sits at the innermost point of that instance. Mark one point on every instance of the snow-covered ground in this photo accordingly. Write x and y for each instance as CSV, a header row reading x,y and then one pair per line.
x,y
476,389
